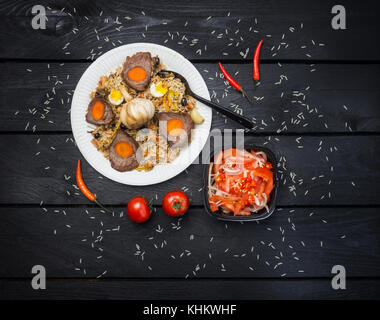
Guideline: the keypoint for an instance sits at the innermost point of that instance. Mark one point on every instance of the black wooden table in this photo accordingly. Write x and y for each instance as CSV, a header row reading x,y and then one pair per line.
x,y
317,107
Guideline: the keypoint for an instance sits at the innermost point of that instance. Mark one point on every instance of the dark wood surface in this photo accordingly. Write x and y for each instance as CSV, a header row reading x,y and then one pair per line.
x,y
322,123
221,289
334,100
308,177
295,243
116,23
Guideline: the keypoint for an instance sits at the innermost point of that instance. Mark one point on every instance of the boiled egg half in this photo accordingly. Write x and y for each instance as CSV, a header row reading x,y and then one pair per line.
x,y
115,97
157,90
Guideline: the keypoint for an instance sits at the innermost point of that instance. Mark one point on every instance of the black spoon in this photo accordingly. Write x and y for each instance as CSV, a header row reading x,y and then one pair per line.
x,y
233,115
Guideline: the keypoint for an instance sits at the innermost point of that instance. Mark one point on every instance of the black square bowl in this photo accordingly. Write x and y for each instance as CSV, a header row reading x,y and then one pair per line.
x,y
260,215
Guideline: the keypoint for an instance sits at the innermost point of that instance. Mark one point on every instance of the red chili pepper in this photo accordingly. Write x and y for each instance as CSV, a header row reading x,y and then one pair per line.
x,y
256,73
233,82
81,185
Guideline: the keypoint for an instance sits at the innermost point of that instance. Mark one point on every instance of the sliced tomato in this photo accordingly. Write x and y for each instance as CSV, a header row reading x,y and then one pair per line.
x,y
213,206
229,203
224,186
229,206
225,199
237,208
212,202
240,205
264,173
259,188
259,185
268,188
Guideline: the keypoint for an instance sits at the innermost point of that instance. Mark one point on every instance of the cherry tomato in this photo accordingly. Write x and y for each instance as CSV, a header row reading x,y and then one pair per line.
x,y
175,203
138,209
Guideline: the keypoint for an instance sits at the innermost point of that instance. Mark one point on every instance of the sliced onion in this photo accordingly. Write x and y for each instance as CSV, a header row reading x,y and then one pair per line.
x,y
262,154
233,170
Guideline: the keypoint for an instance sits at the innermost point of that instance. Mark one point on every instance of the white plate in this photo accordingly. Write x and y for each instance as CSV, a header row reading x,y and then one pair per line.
x,y
103,66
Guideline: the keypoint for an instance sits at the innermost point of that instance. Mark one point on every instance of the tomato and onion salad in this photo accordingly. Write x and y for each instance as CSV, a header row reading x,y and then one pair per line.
x,y
240,182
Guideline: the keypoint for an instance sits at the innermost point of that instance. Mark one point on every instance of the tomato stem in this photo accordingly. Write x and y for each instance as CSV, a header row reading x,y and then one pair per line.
x,y
177,205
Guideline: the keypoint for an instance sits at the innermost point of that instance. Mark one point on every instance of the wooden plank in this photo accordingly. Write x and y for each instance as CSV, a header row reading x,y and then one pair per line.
x,y
325,100
314,170
83,242
260,289
198,30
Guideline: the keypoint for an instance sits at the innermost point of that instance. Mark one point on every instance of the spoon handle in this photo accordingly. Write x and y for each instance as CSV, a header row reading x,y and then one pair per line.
x,y
229,113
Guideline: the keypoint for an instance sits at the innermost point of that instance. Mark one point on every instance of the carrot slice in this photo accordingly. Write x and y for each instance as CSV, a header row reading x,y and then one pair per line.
x,y
94,142
98,110
174,127
137,74
124,149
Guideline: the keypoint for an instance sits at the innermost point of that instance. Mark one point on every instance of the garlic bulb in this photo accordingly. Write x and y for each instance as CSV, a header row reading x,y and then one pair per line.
x,y
136,113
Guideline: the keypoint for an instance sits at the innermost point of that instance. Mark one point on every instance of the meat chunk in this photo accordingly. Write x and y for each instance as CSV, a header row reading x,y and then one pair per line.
x,y
140,60
177,137
101,93
122,163
105,113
